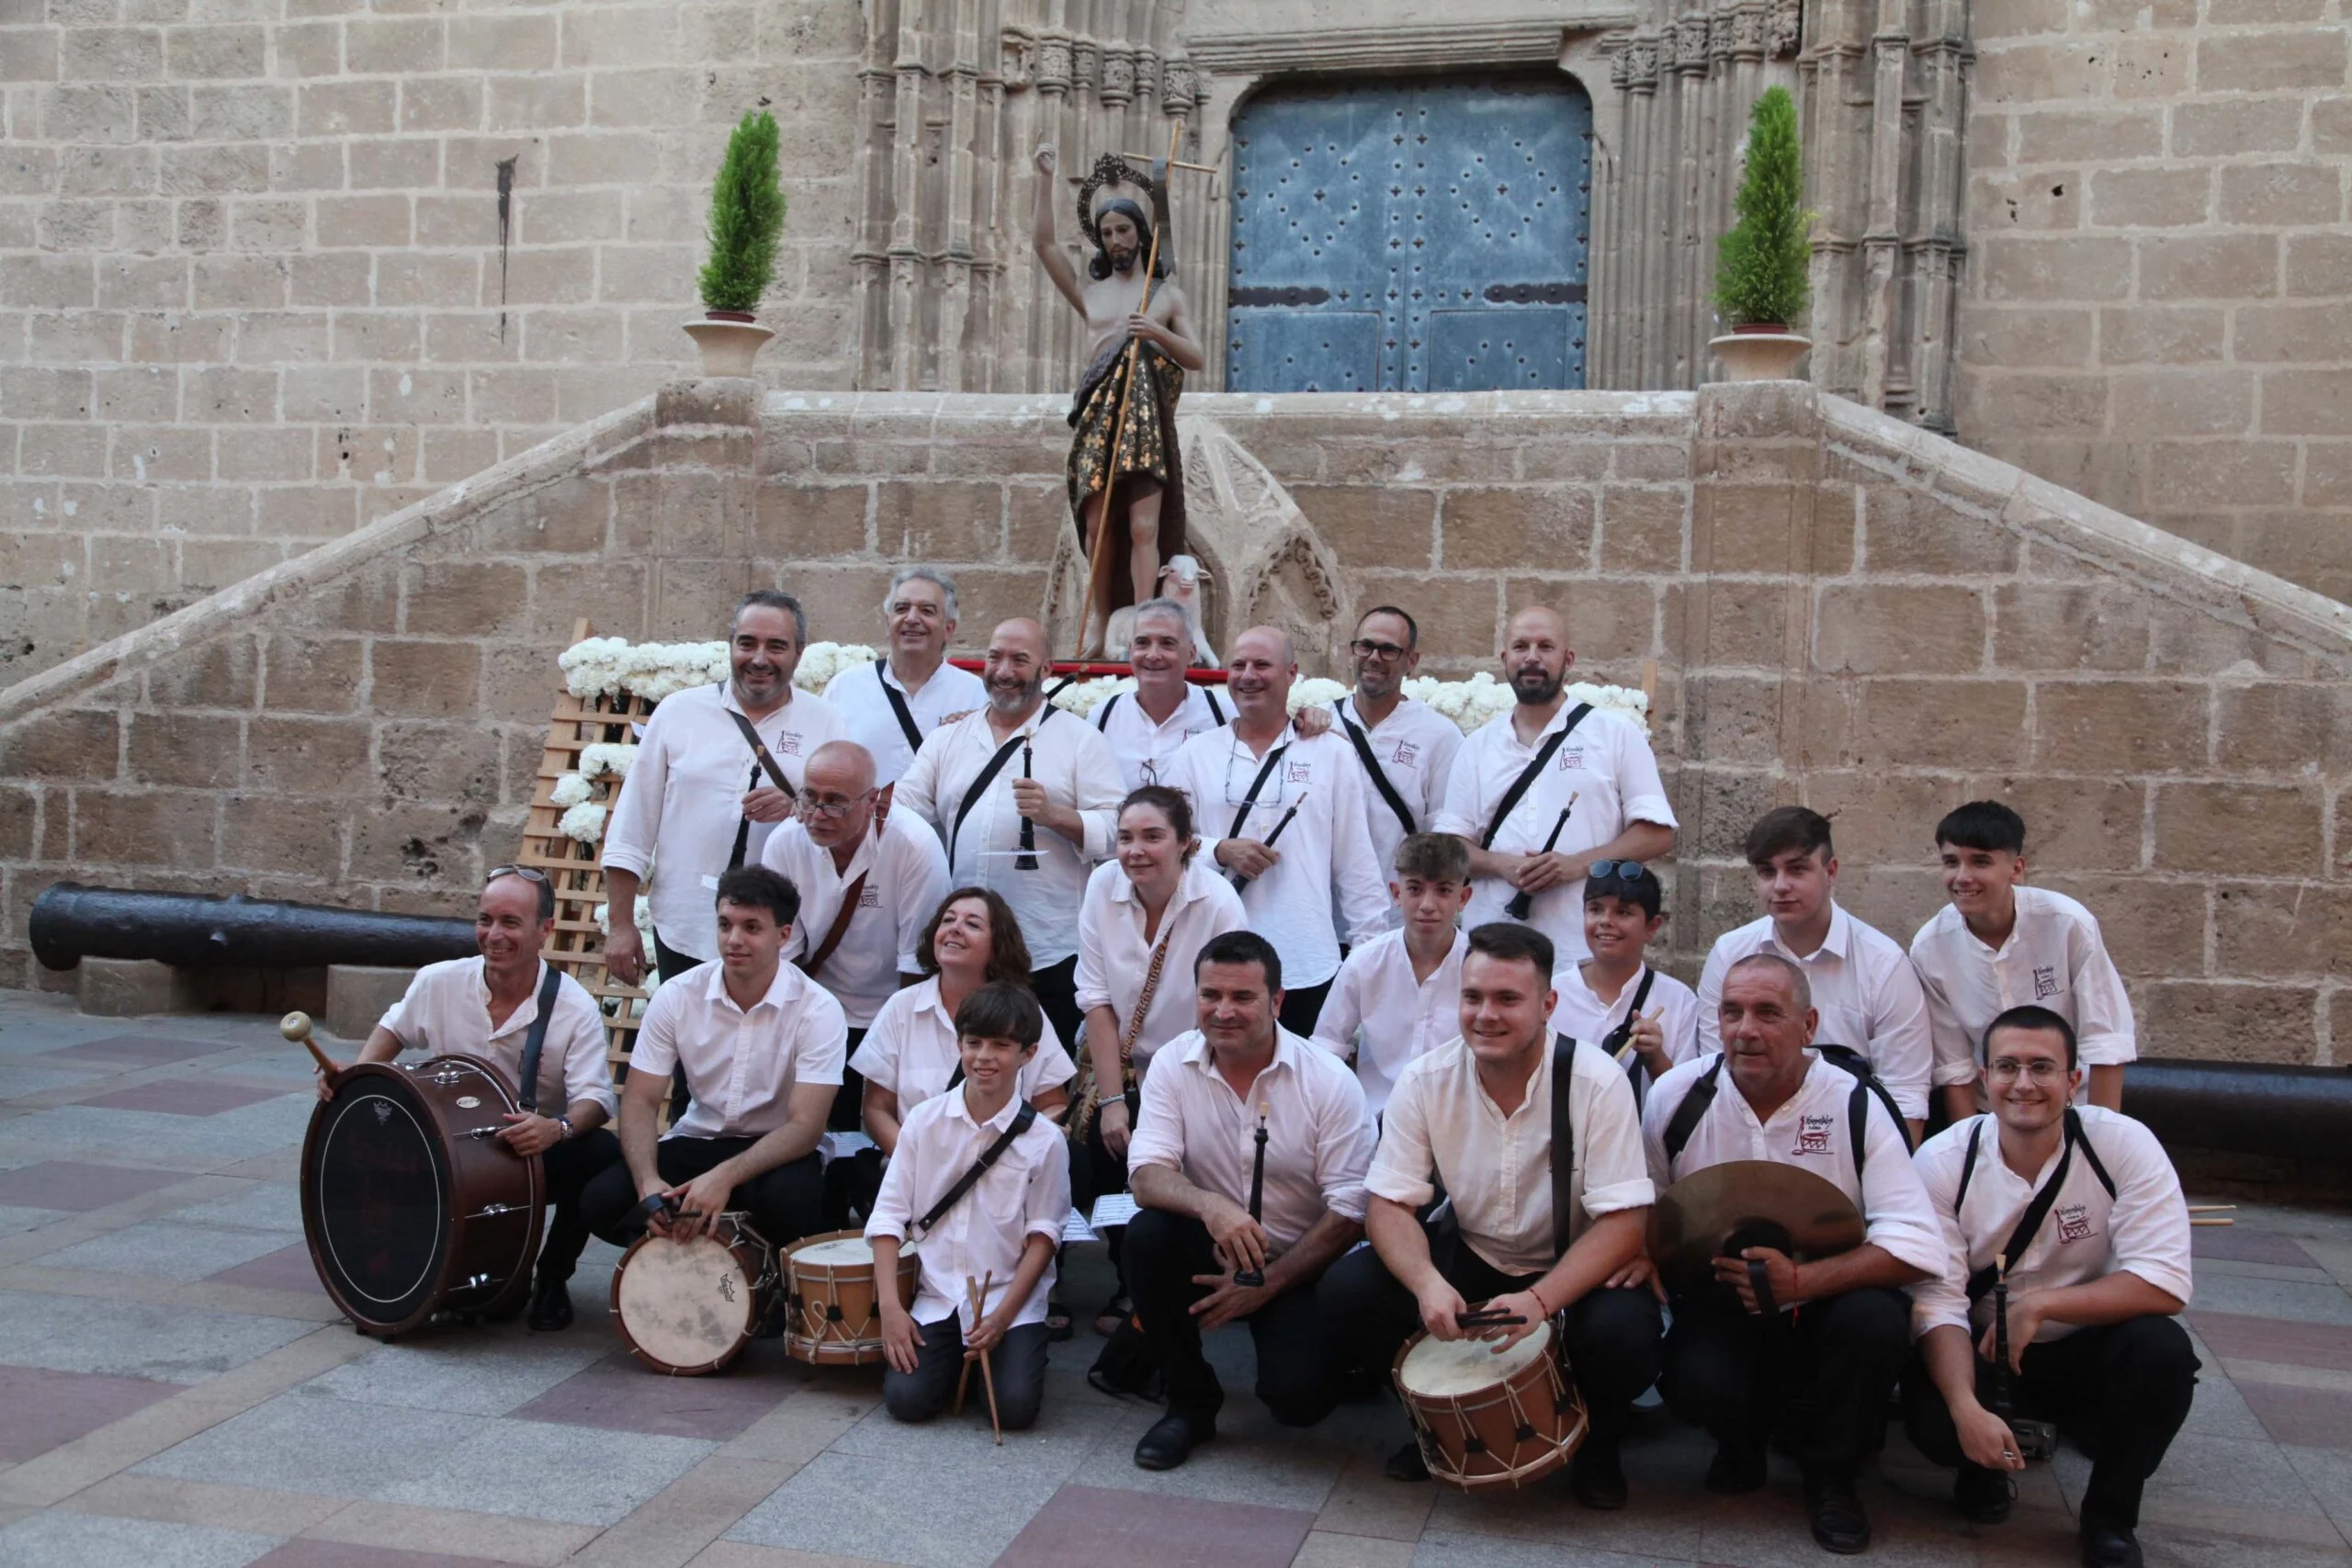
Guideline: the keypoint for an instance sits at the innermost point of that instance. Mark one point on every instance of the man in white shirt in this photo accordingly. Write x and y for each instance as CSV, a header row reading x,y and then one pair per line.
x,y
761,1047
1283,811
1732,1357
1025,798
1147,726
1479,1114
1404,747
2087,1210
1547,789
490,1007
890,705
1642,1018
699,800
1861,981
2000,944
1002,1229
1399,997
1234,1228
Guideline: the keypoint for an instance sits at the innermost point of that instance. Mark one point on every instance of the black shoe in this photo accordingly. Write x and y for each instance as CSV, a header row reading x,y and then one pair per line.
x,y
1171,1439
1596,1478
1838,1523
1982,1495
2109,1546
1406,1463
551,1307
1737,1468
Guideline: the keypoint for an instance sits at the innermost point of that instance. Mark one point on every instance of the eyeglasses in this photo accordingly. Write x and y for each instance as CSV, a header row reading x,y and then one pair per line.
x,y
2042,1069
1364,647
1622,870
832,810
527,873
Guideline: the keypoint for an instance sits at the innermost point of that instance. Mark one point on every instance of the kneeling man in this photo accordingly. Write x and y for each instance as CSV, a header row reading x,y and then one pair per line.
x,y
1248,1161
1836,1331
2085,1209
1480,1114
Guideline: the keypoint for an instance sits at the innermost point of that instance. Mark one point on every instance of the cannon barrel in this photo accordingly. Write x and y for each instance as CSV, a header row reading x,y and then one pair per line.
x,y
70,923
2302,1114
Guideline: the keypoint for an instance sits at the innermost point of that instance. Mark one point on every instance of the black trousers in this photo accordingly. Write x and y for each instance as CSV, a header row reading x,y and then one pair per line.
x,y
1055,989
785,1204
1300,1364
1613,1337
1730,1371
1018,1364
2124,1387
1302,1006
568,1169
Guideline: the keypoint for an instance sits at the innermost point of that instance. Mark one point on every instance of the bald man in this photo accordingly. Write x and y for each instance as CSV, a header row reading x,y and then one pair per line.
x,y
1025,799
1547,790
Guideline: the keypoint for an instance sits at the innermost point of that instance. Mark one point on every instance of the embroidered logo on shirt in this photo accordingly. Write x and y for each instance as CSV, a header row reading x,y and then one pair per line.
x,y
1813,1135
1302,772
2045,981
2073,1224
787,743
871,899
1406,752
1571,758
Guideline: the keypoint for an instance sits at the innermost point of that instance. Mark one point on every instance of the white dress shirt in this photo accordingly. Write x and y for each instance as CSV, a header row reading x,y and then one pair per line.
x,y
1318,1139
1607,764
1497,1168
1581,1015
2053,958
1326,850
1076,767
684,798
740,1066
911,1049
1145,749
1414,747
2087,1235
868,719
445,1012
1810,1132
906,879
1863,987
1385,1018
1025,1193
1113,958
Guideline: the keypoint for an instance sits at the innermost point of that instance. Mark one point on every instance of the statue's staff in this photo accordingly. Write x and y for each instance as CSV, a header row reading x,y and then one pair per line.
x,y
1097,564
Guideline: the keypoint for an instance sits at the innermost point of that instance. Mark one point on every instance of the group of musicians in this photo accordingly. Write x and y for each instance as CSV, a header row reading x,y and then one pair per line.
x,y
1340,977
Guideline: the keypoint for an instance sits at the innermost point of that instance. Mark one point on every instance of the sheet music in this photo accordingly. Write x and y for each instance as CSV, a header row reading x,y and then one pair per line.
x,y
1113,1210
1075,1228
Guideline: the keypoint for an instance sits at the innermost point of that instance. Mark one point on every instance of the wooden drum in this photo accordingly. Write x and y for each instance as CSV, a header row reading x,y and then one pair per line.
x,y
1486,1418
410,1204
689,1307
835,1318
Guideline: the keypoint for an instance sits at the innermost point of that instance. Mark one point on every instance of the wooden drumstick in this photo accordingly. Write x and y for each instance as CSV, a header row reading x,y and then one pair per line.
x,y
987,1373
296,1026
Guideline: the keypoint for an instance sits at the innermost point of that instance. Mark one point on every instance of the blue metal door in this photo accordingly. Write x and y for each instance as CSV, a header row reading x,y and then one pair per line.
x,y
1410,236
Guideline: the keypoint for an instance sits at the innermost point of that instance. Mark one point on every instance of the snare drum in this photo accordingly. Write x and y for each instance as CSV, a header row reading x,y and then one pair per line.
x,y
688,1307
835,1318
1486,1418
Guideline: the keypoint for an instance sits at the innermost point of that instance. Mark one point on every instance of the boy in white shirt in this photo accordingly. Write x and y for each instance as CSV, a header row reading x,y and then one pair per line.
x,y
1000,1231
1645,1019
1398,995
2001,944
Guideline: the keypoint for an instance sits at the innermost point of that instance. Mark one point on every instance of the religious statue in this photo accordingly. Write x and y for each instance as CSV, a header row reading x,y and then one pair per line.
x,y
1124,451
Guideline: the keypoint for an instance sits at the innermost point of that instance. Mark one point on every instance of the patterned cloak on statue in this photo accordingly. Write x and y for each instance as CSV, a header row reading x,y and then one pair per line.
x,y
1146,449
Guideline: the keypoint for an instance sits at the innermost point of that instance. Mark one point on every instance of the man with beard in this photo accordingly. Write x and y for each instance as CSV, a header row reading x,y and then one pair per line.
x,y
1406,747
1026,799
1547,789
1139,460
889,706
703,794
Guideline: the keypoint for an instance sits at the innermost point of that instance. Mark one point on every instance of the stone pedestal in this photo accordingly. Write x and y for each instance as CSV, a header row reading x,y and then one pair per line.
x,y
135,987
359,994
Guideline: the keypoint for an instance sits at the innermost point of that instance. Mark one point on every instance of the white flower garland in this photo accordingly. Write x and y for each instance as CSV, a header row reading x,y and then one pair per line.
x,y
570,790
606,757
584,822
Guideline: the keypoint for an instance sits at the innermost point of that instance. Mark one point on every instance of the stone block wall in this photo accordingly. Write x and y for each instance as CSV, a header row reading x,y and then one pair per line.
x,y
1839,609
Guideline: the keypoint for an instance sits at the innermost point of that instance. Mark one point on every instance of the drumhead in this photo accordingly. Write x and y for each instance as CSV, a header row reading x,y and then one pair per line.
x,y
1443,1369
834,1252
381,1182
683,1304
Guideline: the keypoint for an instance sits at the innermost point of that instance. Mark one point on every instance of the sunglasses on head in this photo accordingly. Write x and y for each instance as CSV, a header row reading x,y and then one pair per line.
x,y
1622,870
527,873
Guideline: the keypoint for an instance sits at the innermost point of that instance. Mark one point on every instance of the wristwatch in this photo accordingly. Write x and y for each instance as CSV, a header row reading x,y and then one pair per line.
x,y
565,1123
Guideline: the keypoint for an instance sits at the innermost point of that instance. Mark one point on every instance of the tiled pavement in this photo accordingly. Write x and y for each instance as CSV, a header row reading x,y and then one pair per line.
x,y
174,1389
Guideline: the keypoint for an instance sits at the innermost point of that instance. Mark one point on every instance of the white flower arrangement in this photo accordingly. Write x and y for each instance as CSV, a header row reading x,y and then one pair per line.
x,y
606,757
584,822
644,915
821,661
612,666
1083,697
570,791
1315,693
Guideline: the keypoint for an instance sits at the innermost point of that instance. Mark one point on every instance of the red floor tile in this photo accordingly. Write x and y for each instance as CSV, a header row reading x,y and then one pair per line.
x,y
288,1269
2275,1339
1085,1527
141,1050
183,1097
2313,1417
47,1410
621,1394
78,1188
2234,1246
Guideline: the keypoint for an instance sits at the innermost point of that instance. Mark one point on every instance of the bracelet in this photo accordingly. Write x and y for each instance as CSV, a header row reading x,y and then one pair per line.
x,y
563,1125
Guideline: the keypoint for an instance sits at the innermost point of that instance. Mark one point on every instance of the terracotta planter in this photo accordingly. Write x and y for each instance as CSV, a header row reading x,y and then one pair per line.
x,y
1768,353
730,341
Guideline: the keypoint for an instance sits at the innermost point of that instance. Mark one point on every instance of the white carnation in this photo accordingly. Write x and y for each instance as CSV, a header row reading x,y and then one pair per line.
x,y
644,915
1315,693
584,822
1474,703
569,790
821,661
606,757
1083,697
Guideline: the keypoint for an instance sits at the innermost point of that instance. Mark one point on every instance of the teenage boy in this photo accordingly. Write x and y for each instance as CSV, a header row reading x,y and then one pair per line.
x,y
2001,944
1397,995
2087,1208
1001,1229
1644,1020
1862,984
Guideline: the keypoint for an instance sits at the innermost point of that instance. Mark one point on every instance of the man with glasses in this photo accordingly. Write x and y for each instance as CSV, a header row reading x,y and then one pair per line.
x,y
493,1007
889,706
704,793
1547,789
1405,746
2086,1209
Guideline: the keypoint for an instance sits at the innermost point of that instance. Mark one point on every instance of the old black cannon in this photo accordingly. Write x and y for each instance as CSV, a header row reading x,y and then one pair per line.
x,y
70,923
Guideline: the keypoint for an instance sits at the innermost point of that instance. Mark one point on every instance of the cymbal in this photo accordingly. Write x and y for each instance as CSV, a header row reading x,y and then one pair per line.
x,y
1748,1202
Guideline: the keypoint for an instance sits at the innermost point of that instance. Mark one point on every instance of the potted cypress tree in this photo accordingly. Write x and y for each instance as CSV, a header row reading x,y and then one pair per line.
x,y
1761,264
746,219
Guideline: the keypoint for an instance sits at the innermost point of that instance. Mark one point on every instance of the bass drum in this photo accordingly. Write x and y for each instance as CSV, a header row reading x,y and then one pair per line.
x,y
410,1204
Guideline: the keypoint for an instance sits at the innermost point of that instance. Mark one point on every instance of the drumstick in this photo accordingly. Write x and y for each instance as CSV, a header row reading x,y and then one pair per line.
x,y
2206,1220
296,1026
987,1373
2210,1208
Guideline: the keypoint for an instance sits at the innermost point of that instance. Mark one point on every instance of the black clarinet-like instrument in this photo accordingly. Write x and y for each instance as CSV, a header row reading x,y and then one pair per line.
x,y
1028,857
1255,1277
2035,1439
1240,881
1524,904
